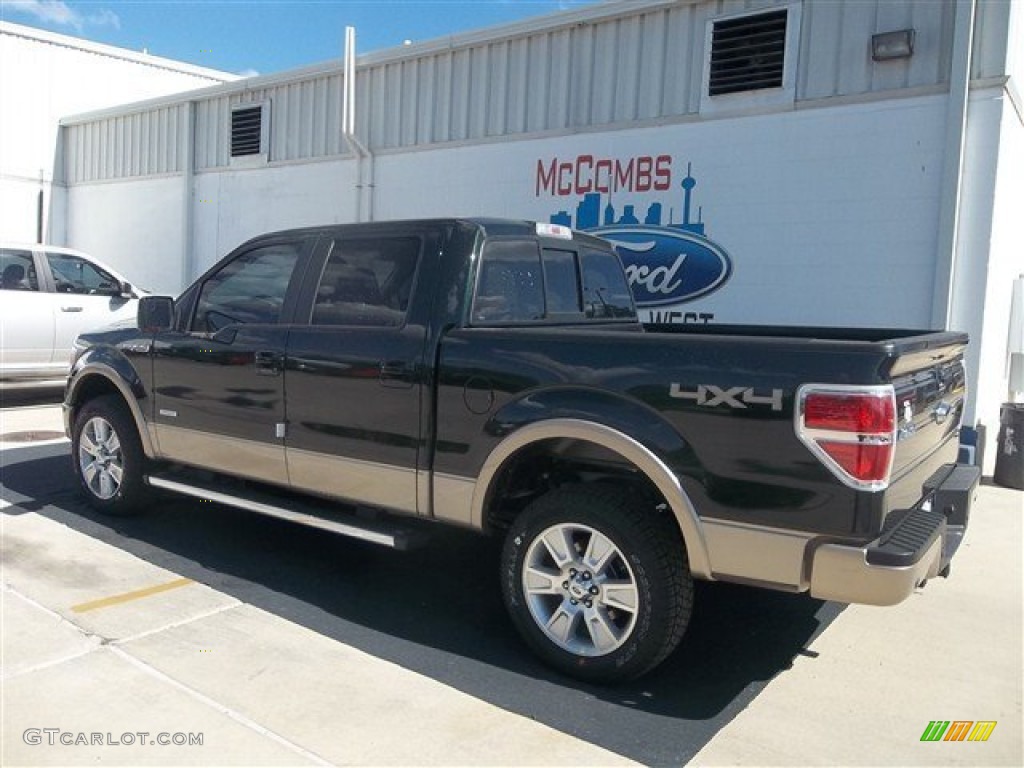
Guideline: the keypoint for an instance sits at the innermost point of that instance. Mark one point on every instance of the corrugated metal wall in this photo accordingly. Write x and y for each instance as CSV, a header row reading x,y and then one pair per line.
x,y
645,63
137,144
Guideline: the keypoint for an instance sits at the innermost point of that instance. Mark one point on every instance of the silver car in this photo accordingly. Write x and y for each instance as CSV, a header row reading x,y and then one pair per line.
x,y
49,295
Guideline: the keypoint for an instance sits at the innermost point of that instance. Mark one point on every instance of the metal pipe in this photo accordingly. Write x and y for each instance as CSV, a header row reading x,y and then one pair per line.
x,y
952,174
348,127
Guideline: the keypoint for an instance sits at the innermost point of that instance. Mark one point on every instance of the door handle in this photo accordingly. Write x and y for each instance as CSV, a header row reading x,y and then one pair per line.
x,y
397,373
268,363
71,309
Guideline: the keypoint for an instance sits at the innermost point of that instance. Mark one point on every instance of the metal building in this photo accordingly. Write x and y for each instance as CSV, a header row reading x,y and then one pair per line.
x,y
843,163
46,76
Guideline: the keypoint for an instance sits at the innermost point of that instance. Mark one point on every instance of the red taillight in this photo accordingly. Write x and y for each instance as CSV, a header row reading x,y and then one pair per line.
x,y
852,430
850,412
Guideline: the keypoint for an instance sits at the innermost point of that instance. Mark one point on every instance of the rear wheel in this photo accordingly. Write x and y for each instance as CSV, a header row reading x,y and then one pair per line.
x,y
108,456
597,582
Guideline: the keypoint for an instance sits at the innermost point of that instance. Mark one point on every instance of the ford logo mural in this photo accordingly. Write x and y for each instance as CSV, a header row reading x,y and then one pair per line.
x,y
667,266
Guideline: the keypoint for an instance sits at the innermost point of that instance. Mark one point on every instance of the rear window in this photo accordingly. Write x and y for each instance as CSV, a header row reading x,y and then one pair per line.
x,y
520,282
606,293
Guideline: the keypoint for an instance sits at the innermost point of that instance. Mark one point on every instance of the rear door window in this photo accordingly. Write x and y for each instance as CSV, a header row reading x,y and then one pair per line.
x,y
367,282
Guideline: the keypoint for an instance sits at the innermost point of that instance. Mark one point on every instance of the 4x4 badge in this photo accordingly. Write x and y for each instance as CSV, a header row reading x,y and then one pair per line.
x,y
733,397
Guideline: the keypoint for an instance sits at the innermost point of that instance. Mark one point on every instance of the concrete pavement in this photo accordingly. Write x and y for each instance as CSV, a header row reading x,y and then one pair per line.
x,y
99,643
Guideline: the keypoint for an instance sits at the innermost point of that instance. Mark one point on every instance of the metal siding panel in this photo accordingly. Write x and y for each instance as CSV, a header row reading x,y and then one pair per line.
x,y
477,98
602,106
428,96
536,82
652,56
174,139
821,30
627,73
581,75
461,83
991,37
497,111
698,20
855,70
364,79
410,103
107,156
518,86
135,168
890,75
335,88
926,20
318,123
376,106
559,84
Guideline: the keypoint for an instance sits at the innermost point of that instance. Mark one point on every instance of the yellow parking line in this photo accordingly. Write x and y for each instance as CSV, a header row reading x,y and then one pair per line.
x,y
129,596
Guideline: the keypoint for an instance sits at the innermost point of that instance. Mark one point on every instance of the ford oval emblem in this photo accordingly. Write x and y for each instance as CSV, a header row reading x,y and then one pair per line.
x,y
668,266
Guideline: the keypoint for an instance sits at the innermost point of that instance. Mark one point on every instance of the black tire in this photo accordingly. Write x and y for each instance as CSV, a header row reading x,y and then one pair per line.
x,y
597,638
108,458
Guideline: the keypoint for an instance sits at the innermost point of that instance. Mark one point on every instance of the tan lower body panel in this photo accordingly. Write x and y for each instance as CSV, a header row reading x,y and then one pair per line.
x,y
364,482
757,554
231,455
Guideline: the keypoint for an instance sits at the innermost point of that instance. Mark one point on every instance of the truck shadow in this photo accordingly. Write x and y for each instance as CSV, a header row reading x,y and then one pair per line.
x,y
437,611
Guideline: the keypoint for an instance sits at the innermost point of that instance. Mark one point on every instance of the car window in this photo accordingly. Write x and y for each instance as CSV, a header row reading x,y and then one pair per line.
x,y
367,281
17,271
248,289
561,282
605,291
510,287
73,274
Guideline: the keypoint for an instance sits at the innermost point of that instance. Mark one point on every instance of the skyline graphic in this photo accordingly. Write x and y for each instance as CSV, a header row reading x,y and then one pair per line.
x,y
590,215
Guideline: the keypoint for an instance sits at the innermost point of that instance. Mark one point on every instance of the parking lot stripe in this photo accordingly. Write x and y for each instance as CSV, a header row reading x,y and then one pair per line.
x,y
127,597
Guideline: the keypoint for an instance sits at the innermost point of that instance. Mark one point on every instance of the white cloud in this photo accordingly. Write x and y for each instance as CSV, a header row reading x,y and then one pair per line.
x,y
60,13
249,73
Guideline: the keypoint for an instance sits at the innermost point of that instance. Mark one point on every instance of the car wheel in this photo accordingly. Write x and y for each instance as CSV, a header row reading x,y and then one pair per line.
x,y
108,456
597,582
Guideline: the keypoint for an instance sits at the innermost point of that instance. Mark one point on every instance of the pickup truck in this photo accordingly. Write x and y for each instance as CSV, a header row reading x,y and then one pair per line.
x,y
493,374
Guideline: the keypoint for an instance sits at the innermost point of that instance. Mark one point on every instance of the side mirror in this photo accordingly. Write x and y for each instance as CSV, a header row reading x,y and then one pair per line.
x,y
125,291
156,313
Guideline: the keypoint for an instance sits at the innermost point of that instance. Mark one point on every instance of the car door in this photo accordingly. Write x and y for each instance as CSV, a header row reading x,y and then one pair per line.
x,y
355,371
87,297
26,317
218,384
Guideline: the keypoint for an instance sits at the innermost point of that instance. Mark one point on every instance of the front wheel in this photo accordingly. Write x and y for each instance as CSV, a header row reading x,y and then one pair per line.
x,y
108,456
596,583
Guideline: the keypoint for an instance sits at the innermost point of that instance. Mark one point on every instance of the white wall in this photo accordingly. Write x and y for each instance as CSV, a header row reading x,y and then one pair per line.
x,y
829,215
233,206
45,77
991,250
135,227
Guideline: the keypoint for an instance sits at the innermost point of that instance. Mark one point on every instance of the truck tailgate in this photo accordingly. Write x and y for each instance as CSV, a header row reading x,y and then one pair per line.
x,y
931,387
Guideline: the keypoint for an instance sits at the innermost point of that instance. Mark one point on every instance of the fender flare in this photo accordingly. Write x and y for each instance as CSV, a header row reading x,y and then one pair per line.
x,y
124,388
630,449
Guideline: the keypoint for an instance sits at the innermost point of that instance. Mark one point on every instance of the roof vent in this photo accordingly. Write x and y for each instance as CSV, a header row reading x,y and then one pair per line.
x,y
246,130
748,53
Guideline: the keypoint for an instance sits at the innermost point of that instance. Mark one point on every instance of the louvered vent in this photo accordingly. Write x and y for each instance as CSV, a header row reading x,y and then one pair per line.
x,y
246,131
748,53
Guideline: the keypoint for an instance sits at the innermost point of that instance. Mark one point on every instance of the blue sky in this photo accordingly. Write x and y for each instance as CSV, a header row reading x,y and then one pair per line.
x,y
259,37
